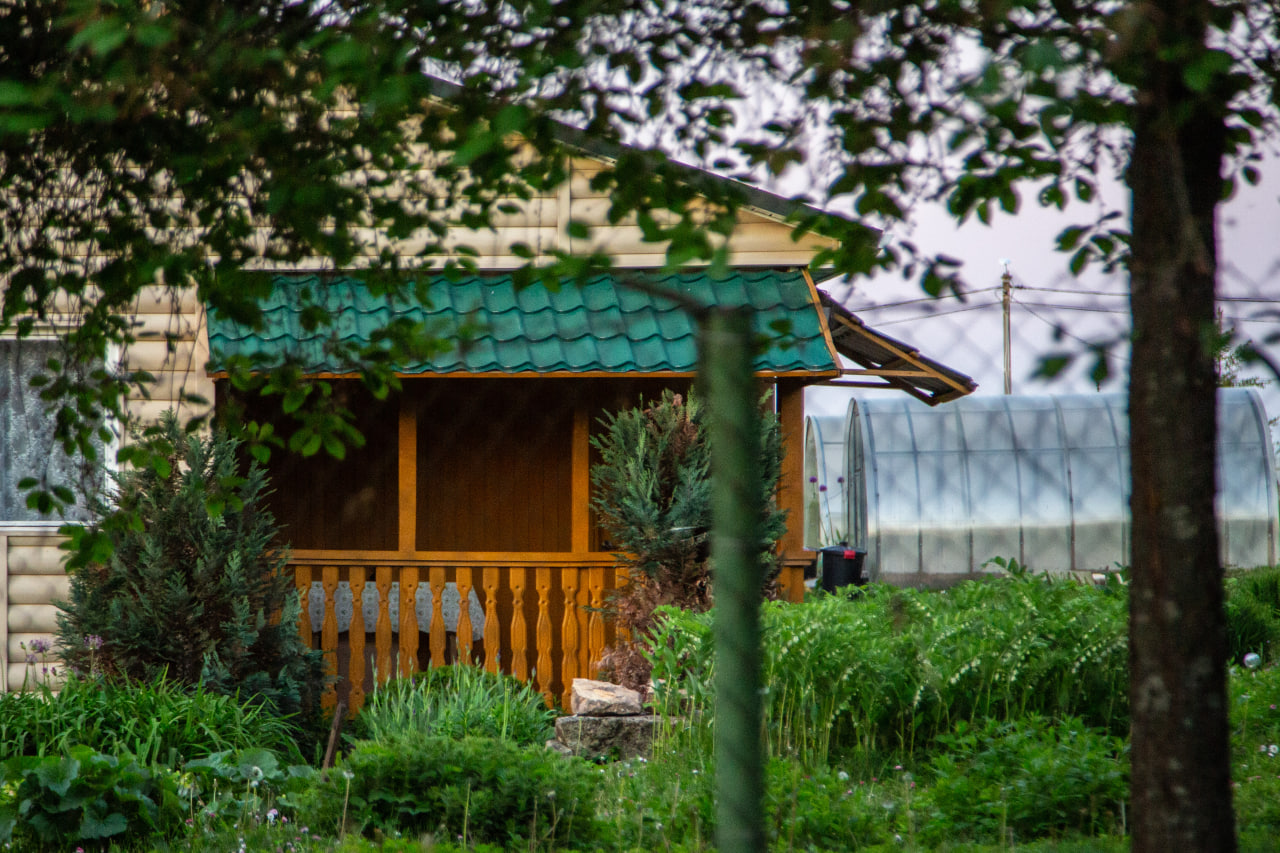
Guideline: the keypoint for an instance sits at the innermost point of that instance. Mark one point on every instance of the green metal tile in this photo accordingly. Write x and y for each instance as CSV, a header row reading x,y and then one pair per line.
x,y
606,324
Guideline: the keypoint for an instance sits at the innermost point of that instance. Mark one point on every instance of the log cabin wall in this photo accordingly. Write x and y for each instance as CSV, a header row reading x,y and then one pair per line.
x,y
172,343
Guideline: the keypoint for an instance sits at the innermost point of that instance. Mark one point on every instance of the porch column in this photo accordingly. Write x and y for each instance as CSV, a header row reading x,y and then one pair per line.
x,y
407,523
580,479
791,484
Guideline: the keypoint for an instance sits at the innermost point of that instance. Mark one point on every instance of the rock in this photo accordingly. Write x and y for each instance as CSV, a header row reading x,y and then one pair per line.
x,y
607,737
556,746
602,699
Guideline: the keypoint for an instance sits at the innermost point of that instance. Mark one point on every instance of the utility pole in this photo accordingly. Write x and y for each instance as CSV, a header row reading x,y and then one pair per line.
x,y
1006,299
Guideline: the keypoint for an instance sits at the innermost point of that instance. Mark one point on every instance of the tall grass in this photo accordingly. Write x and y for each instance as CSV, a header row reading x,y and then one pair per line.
x,y
457,701
893,669
156,721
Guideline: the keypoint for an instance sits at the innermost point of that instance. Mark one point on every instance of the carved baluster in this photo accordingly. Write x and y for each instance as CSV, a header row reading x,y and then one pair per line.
x,y
620,580
595,624
302,580
519,629
382,632
355,639
329,631
492,630
465,630
438,637
569,632
544,672
584,600
408,620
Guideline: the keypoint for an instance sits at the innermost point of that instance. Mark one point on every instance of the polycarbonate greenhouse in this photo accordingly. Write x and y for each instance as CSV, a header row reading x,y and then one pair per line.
x,y
932,492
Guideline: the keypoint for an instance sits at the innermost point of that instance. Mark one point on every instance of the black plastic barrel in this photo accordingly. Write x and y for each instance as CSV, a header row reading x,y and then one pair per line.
x,y
841,567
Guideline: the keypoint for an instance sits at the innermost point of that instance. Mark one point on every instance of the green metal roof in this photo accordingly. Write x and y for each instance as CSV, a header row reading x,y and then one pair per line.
x,y
600,326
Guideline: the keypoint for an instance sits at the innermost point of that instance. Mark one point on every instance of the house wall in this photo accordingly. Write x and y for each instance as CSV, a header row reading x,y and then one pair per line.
x,y
31,579
172,344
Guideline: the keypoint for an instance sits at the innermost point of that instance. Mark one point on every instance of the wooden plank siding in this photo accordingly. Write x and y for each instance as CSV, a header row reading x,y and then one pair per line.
x,y
31,580
476,488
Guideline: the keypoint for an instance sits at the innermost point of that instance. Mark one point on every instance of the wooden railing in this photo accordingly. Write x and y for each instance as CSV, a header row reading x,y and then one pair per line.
x,y
539,617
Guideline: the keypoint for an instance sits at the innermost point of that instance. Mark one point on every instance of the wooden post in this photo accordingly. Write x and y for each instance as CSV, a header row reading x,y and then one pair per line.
x,y
569,631
329,631
791,482
302,580
355,638
595,622
408,620
407,482
544,673
519,629
437,632
382,632
580,480
465,629
492,629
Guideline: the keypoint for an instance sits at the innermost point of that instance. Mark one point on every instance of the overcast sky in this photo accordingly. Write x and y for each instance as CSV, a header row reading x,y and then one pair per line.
x,y
968,336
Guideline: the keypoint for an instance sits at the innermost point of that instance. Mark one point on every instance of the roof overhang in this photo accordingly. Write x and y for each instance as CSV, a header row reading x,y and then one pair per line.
x,y
885,362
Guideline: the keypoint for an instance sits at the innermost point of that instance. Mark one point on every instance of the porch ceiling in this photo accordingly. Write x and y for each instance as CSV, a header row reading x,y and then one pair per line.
x,y
627,322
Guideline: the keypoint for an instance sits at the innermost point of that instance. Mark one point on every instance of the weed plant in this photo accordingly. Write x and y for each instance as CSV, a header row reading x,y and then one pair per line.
x,y
479,790
155,721
457,701
891,670
1253,613
1024,779
1255,753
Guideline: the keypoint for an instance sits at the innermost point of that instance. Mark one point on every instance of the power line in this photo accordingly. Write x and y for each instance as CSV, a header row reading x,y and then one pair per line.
x,y
919,300
1059,330
1090,308
931,315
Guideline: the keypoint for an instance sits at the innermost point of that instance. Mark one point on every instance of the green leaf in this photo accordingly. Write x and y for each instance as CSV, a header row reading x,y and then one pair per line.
x,y
1201,72
101,36
311,446
57,773
14,94
97,825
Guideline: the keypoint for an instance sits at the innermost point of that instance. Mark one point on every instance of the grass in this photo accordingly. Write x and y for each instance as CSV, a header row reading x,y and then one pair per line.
x,y
900,720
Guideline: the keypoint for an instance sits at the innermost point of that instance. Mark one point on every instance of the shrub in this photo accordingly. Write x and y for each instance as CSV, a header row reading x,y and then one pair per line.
x,y
457,701
196,588
155,721
481,789
1253,612
1024,779
55,801
652,490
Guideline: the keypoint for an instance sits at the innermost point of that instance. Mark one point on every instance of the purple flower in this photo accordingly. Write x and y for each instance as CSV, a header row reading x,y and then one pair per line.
x,y
813,479
40,647
840,479
92,642
822,488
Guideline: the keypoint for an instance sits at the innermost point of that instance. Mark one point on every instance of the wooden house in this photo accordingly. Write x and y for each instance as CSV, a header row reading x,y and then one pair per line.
x,y
471,497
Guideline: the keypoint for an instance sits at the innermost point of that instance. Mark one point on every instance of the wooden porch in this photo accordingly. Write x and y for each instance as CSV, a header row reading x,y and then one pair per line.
x,y
542,615
478,491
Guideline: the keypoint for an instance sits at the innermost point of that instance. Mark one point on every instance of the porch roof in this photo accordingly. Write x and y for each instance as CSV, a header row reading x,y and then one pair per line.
x,y
625,322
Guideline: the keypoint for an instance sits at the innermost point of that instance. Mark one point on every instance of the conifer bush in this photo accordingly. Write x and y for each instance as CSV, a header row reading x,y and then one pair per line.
x,y
195,588
652,491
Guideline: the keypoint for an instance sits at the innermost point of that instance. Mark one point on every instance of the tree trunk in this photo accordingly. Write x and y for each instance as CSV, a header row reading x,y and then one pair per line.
x,y
1181,772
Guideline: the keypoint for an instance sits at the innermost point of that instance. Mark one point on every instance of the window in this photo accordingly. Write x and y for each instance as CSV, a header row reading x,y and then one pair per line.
x,y
27,446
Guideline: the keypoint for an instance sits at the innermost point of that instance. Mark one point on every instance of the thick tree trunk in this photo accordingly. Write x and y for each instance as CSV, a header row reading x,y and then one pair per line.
x,y
1178,649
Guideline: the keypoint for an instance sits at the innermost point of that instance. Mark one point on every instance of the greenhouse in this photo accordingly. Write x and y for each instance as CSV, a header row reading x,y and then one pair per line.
x,y
931,493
